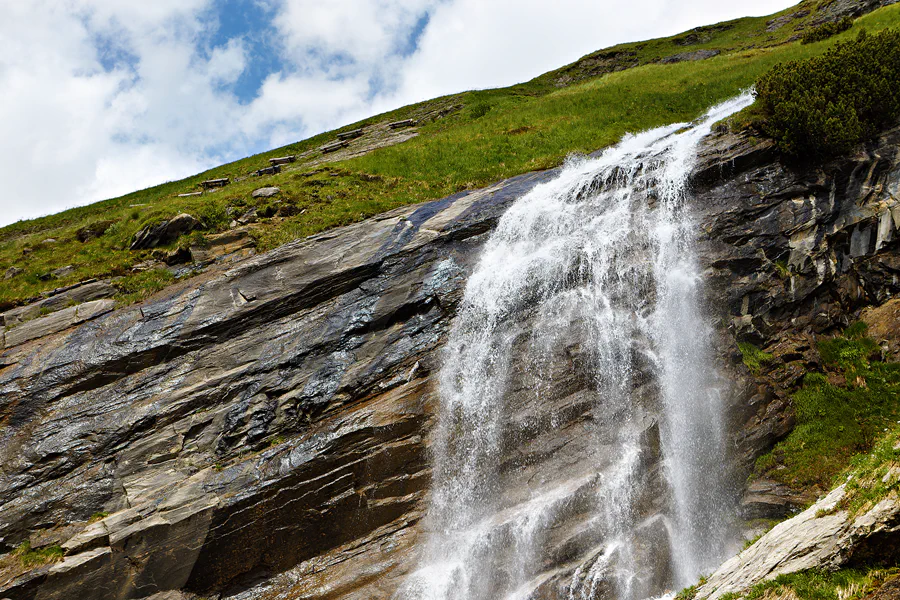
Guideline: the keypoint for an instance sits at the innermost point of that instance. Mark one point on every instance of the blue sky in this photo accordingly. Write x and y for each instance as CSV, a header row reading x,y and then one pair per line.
x,y
118,95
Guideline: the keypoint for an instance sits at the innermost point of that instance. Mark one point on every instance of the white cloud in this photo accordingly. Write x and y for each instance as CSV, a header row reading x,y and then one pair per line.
x,y
74,132
102,97
364,32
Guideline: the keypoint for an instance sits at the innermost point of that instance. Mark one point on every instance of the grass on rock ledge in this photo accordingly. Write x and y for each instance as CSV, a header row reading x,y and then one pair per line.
x,y
844,584
840,414
496,134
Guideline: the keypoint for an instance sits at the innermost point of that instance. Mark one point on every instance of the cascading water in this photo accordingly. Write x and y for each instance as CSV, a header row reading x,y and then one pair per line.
x,y
596,266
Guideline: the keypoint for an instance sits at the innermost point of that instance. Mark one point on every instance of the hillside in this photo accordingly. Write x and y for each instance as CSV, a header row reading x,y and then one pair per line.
x,y
459,142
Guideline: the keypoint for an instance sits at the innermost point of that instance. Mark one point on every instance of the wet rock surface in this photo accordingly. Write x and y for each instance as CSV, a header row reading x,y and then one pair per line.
x,y
260,417
793,253
262,430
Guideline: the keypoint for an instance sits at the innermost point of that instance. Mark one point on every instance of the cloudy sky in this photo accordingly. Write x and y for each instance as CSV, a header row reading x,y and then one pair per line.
x,y
102,97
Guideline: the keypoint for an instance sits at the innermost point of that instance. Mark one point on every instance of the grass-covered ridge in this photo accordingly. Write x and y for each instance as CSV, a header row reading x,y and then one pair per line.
x,y
495,134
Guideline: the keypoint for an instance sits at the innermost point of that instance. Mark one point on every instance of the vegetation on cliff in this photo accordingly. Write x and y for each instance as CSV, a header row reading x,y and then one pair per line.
x,y
469,140
841,412
826,30
823,106
844,584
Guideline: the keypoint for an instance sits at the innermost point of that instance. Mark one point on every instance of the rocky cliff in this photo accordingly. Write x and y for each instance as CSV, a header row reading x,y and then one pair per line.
x,y
262,431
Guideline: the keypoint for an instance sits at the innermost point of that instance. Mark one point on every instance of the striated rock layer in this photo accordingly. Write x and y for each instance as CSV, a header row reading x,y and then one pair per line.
x,y
821,537
262,431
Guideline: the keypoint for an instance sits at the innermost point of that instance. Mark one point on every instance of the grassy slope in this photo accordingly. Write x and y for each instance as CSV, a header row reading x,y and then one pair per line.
x,y
499,133
842,415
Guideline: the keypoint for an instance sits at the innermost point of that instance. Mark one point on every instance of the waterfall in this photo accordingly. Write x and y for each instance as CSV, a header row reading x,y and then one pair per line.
x,y
588,278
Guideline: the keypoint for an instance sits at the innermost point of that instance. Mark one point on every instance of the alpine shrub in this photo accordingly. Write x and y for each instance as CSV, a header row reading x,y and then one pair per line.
x,y
826,30
823,106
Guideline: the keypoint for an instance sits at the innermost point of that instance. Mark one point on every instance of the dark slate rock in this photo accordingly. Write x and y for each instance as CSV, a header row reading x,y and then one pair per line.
x,y
165,232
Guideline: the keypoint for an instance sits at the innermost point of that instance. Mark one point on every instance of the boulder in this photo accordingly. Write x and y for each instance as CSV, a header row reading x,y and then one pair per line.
x,y
92,231
165,232
266,192
12,272
884,326
287,210
178,256
248,217
690,56
62,271
823,536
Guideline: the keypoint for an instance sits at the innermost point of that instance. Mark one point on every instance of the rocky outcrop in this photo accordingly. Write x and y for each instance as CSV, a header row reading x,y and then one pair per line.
x,y
821,537
792,253
839,9
165,232
57,300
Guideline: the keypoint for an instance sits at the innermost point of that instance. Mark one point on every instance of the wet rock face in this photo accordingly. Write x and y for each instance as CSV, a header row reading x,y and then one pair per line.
x,y
793,253
264,417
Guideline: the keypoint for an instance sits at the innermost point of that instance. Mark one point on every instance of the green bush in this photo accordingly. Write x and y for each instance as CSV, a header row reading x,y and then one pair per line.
x,y
824,106
826,30
479,110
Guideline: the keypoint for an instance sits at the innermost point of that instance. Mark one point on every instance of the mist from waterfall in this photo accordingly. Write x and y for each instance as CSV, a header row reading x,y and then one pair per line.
x,y
598,263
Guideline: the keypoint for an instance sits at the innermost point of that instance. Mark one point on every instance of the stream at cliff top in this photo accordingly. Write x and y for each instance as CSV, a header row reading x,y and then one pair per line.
x,y
583,318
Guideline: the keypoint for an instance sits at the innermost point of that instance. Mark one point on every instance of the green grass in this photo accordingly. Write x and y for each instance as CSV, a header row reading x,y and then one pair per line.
x,y
844,584
140,286
839,415
499,133
874,475
753,357
98,516
30,558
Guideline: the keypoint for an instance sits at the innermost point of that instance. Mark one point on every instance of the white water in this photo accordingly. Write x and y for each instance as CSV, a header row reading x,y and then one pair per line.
x,y
603,254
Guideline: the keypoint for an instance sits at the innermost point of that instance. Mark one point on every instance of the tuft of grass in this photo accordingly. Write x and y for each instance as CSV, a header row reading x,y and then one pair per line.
x,y
30,558
98,516
873,476
753,357
688,593
139,286
782,268
844,584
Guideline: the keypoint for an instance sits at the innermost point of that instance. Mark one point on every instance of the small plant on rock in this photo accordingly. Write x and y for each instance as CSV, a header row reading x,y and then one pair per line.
x,y
30,557
754,358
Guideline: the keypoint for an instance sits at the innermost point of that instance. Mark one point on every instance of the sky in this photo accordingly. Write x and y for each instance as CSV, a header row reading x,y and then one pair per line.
x,y
99,98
